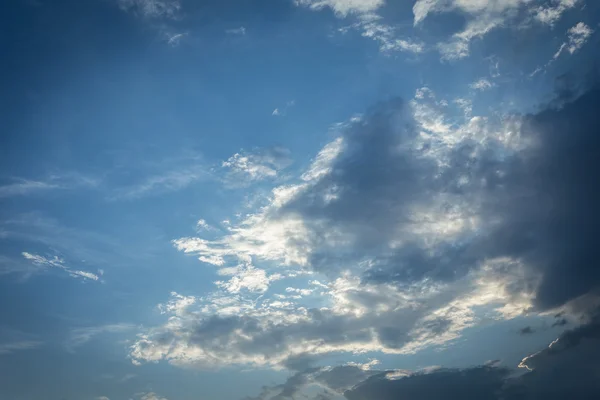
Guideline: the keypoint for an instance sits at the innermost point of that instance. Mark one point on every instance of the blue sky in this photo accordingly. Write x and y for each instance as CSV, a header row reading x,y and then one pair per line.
x,y
318,199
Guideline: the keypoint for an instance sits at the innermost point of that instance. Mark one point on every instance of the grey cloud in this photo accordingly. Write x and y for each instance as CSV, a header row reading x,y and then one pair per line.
x,y
475,383
526,330
568,368
537,205
394,209
334,381
546,201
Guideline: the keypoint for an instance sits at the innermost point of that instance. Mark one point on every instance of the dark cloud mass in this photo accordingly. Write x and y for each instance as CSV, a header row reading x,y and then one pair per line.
x,y
547,203
537,205
567,369
539,208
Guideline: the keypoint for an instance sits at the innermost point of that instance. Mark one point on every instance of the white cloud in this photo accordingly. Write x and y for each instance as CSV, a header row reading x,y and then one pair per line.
x,y
372,27
152,8
237,31
423,8
56,262
174,39
373,318
344,7
246,277
202,225
102,398
577,37
259,165
550,14
459,44
151,396
482,17
281,112
369,24
481,85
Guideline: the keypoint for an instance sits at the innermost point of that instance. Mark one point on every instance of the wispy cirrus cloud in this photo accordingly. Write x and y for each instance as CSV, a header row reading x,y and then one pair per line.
x,y
577,37
9,348
80,336
484,17
368,22
66,181
58,263
12,341
163,182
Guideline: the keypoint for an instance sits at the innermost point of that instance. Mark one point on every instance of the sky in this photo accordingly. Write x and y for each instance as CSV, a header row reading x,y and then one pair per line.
x,y
299,199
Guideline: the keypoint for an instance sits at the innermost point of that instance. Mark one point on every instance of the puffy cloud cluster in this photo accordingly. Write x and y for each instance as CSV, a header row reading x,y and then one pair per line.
x,y
413,223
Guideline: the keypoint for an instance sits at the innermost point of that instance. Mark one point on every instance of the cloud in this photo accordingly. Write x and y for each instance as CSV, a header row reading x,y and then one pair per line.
x,y
565,369
550,14
102,398
56,262
93,249
164,182
246,277
9,348
344,7
256,166
80,336
202,225
152,8
483,17
481,85
151,396
174,40
422,8
526,330
280,112
369,23
418,226
577,37
236,31
25,187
